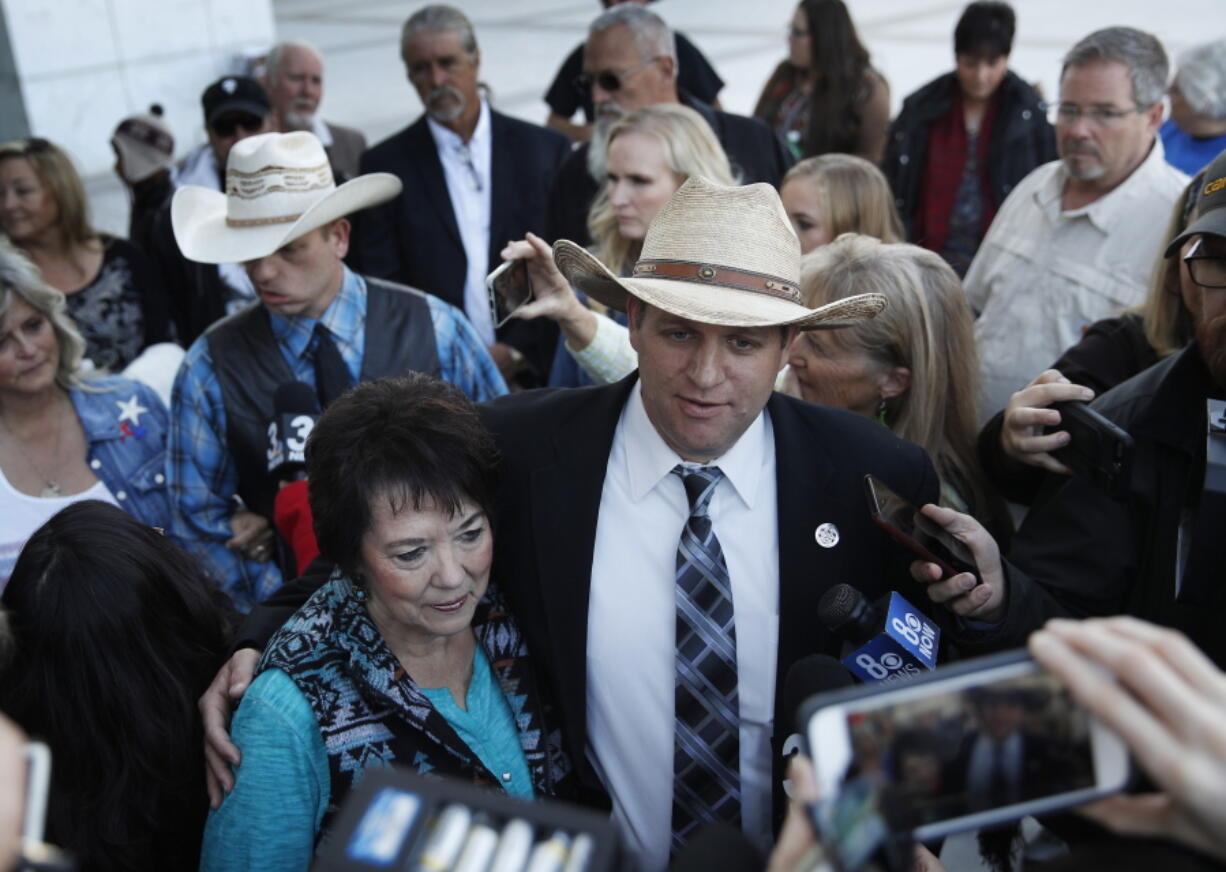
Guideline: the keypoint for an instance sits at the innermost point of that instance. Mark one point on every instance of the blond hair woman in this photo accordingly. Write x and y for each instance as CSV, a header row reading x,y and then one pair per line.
x,y
833,194
651,152
914,367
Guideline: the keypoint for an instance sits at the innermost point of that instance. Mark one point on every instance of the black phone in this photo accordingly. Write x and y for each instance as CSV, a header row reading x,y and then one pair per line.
x,y
1098,449
913,531
509,289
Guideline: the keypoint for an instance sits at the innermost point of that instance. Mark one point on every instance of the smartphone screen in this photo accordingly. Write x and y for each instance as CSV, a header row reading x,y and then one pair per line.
x,y
509,289
912,530
942,756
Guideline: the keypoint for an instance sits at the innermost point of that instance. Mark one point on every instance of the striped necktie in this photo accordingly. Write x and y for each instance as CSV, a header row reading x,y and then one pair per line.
x,y
706,744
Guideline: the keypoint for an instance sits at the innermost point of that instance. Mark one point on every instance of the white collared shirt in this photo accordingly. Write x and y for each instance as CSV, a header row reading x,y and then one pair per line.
x,y
1043,275
631,623
466,166
320,128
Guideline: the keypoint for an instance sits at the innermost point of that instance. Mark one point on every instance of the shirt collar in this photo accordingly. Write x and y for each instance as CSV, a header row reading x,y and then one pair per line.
x,y
649,459
446,140
1111,208
321,131
344,317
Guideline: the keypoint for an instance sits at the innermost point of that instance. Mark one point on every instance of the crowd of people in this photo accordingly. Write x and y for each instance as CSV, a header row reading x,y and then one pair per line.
x,y
278,454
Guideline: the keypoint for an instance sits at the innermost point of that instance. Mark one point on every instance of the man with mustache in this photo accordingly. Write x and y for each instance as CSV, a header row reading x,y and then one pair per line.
x,y
1156,553
630,61
473,178
294,76
1076,239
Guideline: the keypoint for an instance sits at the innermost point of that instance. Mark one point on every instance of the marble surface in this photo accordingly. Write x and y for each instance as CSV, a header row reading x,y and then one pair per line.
x,y
83,65
167,50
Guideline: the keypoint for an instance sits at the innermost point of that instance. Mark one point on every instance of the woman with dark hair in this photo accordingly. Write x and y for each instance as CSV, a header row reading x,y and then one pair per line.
x,y
112,634
112,293
962,141
407,655
826,96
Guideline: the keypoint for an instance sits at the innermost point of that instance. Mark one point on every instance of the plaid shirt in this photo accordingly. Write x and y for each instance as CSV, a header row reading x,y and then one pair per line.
x,y
202,476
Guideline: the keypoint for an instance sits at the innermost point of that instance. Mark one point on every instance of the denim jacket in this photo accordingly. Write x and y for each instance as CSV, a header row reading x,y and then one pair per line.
x,y
125,424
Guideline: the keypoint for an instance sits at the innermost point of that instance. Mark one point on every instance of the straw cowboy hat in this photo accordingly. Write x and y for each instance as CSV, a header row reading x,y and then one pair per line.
x,y
278,187
718,255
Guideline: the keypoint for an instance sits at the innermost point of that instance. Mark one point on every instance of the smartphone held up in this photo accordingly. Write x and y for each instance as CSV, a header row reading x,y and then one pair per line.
x,y
967,746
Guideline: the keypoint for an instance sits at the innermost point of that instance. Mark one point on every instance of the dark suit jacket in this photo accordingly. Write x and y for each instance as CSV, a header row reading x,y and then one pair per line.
x,y
555,446
753,149
345,152
415,240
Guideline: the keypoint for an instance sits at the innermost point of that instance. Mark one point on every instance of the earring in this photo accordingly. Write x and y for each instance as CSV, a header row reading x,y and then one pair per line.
x,y
881,413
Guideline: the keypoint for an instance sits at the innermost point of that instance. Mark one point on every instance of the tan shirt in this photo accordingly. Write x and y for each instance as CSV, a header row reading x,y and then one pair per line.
x,y
1042,275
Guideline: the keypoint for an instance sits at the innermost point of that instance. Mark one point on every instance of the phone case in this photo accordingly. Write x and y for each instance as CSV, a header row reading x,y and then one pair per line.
x,y
978,819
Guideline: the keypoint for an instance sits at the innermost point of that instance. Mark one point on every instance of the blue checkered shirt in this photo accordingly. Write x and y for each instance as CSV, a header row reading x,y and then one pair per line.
x,y
203,477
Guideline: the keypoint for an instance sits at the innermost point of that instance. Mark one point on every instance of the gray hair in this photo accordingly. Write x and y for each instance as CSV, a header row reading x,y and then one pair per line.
x,y
1202,79
432,19
652,37
277,54
1139,51
20,277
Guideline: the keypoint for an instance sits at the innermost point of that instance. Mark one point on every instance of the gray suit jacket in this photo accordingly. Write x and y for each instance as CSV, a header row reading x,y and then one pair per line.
x,y
345,151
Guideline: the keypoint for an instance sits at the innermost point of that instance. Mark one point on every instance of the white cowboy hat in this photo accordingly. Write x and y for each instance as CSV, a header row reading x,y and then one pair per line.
x,y
279,186
718,255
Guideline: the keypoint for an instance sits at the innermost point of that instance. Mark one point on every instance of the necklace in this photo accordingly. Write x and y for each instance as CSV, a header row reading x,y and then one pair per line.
x,y
51,488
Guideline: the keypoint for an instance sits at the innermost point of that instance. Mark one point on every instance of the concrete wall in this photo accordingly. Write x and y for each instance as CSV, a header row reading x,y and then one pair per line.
x,y
70,70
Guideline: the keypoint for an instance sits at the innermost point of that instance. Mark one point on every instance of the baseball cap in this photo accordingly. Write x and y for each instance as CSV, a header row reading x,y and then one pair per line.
x,y
234,94
1212,205
144,144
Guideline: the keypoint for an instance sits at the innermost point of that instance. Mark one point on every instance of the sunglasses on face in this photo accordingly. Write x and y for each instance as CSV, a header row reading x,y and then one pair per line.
x,y
607,79
228,125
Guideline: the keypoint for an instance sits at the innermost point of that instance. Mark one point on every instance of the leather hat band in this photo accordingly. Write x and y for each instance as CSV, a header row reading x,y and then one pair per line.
x,y
714,274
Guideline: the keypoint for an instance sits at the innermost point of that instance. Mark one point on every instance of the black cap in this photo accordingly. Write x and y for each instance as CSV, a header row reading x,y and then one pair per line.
x,y
234,94
1211,196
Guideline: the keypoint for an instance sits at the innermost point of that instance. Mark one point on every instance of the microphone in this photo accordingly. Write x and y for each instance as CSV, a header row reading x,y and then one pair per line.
x,y
893,646
807,677
295,411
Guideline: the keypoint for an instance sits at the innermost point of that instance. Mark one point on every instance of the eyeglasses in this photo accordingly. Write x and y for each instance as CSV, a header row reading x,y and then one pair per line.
x,y
1098,116
228,125
608,80
1207,270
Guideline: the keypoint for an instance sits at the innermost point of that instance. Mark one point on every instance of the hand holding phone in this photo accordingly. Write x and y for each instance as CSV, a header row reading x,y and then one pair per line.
x,y
979,597
971,745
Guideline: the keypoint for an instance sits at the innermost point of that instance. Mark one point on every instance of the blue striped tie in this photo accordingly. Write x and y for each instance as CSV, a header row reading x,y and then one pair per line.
x,y
706,745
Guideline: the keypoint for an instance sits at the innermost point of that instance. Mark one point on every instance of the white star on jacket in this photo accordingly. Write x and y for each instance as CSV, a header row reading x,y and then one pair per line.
x,y
131,411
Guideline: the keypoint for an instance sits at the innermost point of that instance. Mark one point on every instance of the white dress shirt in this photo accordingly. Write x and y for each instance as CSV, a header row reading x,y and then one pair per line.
x,y
466,166
632,623
1043,275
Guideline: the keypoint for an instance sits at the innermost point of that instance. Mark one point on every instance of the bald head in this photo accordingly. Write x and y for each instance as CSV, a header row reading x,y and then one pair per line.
x,y
294,73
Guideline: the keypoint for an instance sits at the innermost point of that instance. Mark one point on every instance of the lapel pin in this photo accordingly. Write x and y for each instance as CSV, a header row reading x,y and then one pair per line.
x,y
827,535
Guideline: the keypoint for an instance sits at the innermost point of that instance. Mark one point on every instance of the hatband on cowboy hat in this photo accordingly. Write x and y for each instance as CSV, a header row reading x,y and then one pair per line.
x,y
279,187
717,254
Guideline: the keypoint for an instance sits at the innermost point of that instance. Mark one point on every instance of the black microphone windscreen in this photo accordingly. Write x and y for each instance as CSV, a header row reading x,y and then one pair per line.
x,y
811,675
718,847
837,605
295,398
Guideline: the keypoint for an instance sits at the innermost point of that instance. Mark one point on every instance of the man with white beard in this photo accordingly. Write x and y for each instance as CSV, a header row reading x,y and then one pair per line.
x,y
630,61
1077,239
473,178
294,77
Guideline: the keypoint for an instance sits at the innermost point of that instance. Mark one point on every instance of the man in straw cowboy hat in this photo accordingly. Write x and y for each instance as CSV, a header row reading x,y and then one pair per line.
x,y
631,511
316,322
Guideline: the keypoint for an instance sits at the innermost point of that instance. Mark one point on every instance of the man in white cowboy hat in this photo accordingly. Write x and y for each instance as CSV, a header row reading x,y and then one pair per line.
x,y
316,322
631,512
